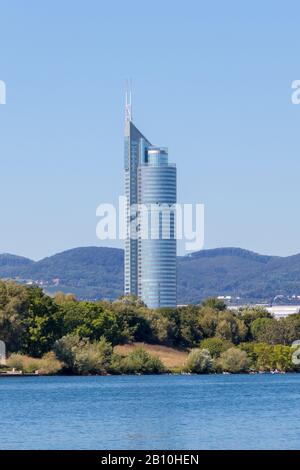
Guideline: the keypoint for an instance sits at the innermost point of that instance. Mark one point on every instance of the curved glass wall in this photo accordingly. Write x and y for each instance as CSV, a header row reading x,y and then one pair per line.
x,y
150,182
157,253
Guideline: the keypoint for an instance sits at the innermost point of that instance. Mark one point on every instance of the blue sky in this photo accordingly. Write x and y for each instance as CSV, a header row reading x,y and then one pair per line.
x,y
212,81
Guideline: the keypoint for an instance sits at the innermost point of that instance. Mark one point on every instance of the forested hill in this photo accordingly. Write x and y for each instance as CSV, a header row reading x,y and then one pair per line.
x,y
97,272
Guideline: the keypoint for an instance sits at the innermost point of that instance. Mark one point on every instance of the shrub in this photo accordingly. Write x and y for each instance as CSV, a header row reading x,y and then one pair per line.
x,y
15,361
199,361
47,365
116,364
66,348
94,358
140,362
31,365
24,363
234,360
274,357
83,357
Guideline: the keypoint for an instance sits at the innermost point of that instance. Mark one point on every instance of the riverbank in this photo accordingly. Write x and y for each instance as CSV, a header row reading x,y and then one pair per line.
x,y
20,374
74,356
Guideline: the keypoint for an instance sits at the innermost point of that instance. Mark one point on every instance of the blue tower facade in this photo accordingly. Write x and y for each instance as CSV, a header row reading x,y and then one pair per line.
x,y
150,246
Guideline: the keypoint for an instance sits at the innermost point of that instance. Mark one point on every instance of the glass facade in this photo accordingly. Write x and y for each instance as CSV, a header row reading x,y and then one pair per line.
x,y
150,247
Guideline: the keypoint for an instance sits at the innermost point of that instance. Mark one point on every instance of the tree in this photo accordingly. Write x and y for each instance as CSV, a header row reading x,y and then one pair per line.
x,y
295,320
199,361
272,331
86,319
282,357
131,300
131,324
264,355
231,328
42,322
249,349
165,325
118,322
61,297
215,346
13,302
249,314
234,360
208,320
190,326
259,328
30,321
214,303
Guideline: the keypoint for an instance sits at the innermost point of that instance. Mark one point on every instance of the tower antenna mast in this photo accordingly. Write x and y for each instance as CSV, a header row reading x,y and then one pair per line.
x,y
128,100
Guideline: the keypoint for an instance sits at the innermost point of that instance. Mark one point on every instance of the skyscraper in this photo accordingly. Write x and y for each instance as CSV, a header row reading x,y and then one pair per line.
x,y
150,190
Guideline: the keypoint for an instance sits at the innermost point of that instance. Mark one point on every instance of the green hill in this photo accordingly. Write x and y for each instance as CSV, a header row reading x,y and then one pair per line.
x,y
97,272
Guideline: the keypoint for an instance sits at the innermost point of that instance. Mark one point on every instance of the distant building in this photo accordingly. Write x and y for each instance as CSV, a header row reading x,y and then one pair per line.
x,y
150,180
282,311
278,311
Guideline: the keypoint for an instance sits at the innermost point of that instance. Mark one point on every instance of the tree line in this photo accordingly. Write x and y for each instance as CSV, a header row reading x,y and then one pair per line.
x,y
60,333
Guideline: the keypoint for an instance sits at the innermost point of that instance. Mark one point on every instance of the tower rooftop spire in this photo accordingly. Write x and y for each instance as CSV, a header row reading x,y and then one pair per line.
x,y
128,101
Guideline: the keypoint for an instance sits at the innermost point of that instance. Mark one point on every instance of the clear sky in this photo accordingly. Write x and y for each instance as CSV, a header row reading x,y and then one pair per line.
x,y
212,81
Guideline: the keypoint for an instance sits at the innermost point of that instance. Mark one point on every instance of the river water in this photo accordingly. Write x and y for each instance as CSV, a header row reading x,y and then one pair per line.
x,y
151,412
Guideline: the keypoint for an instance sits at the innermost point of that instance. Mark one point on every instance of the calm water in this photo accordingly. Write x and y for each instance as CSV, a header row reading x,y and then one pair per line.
x,y
151,412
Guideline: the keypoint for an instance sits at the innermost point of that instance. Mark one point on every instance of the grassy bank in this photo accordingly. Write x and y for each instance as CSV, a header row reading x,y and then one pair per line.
x,y
171,358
